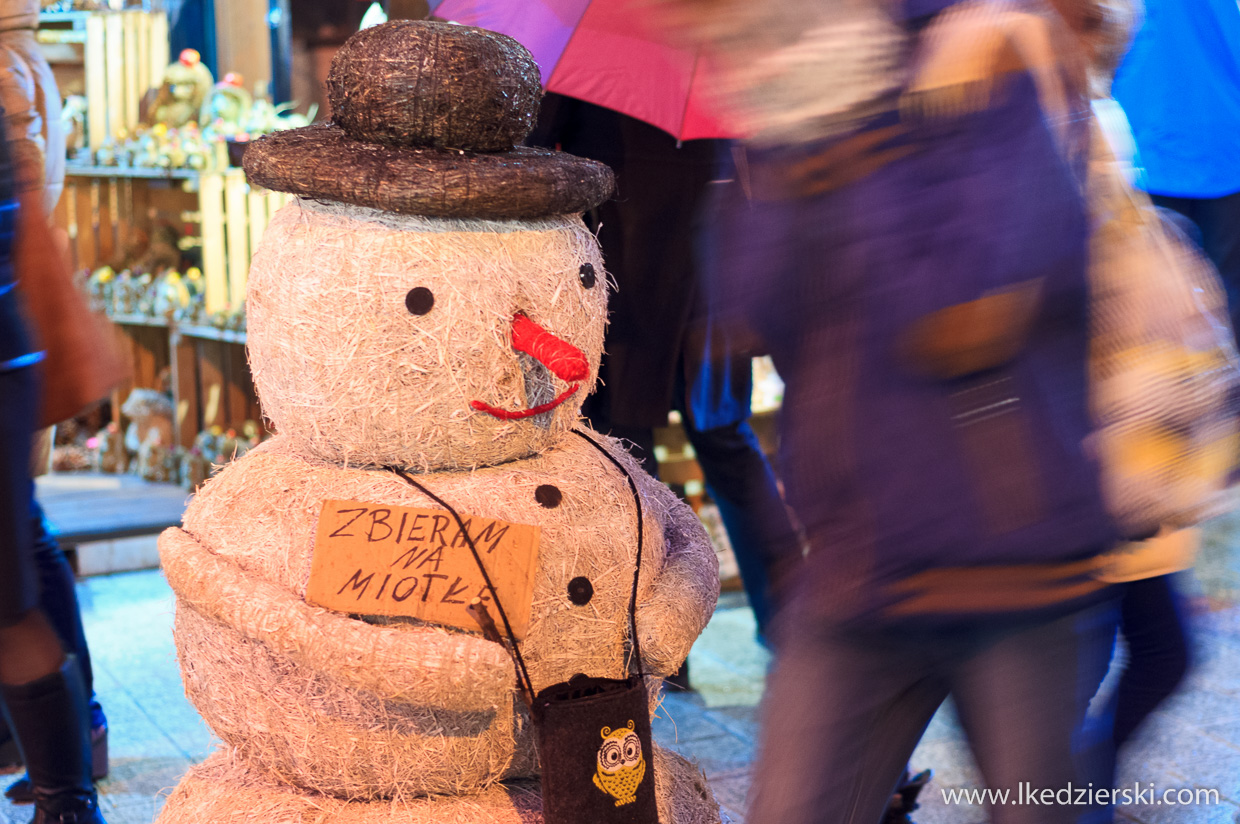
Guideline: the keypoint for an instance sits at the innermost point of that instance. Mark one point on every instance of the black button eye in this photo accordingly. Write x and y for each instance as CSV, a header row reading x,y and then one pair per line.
x,y
419,301
580,591
586,273
548,496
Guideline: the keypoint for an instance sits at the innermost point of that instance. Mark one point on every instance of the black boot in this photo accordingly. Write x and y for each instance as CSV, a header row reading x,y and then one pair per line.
x,y
904,801
21,791
52,724
10,755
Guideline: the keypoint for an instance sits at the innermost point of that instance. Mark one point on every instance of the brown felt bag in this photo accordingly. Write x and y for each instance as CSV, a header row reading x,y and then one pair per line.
x,y
82,362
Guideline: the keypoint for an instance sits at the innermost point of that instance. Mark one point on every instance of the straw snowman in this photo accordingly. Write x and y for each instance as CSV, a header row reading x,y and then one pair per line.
x,y
432,301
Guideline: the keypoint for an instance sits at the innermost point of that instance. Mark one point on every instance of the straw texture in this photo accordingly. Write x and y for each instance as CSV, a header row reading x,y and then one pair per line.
x,y
426,116
222,790
349,374
322,161
434,85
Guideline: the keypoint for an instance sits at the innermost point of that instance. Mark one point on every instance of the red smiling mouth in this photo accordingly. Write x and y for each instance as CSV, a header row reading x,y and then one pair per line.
x,y
525,413
561,358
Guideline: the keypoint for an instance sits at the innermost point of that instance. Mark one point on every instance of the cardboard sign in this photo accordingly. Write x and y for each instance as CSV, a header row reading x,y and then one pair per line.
x,y
373,559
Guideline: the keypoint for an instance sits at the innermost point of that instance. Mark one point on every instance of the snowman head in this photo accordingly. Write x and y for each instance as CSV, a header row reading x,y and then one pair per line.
x,y
433,343
433,299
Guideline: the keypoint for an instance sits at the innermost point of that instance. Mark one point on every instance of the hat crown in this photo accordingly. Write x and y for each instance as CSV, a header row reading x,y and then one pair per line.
x,y
419,84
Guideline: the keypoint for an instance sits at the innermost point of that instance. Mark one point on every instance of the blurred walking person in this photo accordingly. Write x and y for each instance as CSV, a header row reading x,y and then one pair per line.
x,y
44,699
1166,432
32,114
912,252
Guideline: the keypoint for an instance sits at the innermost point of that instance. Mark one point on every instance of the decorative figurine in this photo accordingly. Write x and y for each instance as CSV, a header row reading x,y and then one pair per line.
x,y
185,87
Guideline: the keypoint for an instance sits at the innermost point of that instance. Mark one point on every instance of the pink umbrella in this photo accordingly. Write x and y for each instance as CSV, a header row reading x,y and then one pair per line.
x,y
605,52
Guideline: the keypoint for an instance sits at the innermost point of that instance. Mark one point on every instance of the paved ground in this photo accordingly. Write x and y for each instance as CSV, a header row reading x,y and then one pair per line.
x,y
1193,742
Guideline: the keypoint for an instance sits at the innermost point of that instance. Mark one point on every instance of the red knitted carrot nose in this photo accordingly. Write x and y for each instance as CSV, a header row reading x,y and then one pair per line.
x,y
566,362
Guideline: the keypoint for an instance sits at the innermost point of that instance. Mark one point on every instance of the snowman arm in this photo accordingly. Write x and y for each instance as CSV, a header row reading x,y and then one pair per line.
x,y
683,594
419,665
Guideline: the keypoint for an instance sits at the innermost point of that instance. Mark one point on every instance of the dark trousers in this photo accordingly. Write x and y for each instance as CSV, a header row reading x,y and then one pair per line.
x,y
844,709
1218,220
1153,623
58,593
740,481
19,582
33,570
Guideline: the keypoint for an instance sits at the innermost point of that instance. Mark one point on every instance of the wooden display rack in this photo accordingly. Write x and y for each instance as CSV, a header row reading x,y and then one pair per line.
x,y
234,216
111,57
102,206
210,378
114,58
211,381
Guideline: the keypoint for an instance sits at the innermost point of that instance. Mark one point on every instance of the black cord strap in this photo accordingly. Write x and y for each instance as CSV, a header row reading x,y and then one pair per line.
x,y
637,565
523,674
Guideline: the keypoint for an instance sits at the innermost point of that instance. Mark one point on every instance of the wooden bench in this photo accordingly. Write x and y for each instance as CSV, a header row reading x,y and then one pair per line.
x,y
89,512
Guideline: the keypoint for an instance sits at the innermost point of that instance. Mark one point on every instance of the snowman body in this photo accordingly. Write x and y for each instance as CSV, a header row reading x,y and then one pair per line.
x,y
382,341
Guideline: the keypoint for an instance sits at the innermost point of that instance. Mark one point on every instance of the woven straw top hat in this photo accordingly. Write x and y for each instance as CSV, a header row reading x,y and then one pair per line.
x,y
426,118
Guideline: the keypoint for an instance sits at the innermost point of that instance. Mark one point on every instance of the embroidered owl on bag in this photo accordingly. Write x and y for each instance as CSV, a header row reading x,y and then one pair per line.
x,y
621,766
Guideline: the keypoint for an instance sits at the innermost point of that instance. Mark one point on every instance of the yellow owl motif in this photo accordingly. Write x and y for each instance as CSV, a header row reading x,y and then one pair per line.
x,y
621,766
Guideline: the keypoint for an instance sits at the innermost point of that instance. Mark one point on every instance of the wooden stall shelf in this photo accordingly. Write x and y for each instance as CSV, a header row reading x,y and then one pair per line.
x,y
114,63
261,206
211,381
139,320
240,393
97,221
97,126
113,57
185,381
157,57
237,226
212,365
211,333
104,207
233,217
145,343
101,206
214,257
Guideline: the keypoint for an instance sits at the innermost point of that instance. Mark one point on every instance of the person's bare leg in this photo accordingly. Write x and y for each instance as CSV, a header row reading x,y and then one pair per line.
x,y
29,650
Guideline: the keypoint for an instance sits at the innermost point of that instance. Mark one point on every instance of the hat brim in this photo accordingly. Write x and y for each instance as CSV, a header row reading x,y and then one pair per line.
x,y
323,162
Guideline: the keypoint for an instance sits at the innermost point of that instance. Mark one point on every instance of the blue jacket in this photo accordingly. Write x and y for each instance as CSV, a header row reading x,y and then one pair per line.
x,y
1180,86
921,286
16,347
